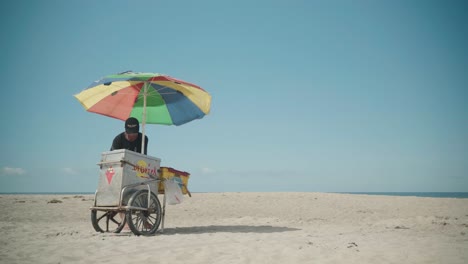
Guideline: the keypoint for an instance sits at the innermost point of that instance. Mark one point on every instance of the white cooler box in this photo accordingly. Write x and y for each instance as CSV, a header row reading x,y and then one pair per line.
x,y
120,168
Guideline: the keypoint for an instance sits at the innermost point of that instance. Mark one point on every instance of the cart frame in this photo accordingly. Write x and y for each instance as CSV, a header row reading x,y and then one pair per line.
x,y
142,213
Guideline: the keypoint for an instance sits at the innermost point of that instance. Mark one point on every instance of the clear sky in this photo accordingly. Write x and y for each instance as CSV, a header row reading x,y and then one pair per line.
x,y
330,96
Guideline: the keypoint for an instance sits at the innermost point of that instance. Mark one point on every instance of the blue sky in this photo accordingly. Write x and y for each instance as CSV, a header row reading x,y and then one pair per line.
x,y
323,96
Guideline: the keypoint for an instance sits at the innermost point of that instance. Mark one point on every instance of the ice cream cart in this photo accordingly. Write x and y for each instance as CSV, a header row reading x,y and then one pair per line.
x,y
127,193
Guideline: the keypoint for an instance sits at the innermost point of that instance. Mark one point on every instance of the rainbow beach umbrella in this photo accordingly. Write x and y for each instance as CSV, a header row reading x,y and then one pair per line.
x,y
152,98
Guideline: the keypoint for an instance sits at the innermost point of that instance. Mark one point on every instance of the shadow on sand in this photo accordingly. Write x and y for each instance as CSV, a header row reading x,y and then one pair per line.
x,y
226,229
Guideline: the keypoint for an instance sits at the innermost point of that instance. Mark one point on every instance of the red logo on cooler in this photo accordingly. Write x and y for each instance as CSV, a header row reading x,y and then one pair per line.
x,y
109,174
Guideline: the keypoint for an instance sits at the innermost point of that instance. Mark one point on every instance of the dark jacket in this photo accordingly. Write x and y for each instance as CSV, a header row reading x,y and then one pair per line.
x,y
120,142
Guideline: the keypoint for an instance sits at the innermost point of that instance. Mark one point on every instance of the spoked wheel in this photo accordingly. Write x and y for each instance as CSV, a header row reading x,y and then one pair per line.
x,y
107,221
144,222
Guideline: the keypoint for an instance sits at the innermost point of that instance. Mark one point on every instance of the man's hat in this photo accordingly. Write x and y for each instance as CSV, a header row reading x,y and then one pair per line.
x,y
132,125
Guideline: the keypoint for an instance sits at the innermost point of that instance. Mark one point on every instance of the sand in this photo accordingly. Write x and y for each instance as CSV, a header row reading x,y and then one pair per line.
x,y
243,228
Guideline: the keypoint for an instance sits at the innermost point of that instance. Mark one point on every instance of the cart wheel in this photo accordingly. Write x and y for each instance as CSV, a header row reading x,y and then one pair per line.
x,y
144,222
107,221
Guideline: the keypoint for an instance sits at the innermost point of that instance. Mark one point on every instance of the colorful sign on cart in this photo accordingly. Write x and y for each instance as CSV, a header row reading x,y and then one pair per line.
x,y
143,170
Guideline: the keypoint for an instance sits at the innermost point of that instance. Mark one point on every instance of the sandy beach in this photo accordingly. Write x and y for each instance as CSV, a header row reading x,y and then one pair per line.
x,y
243,228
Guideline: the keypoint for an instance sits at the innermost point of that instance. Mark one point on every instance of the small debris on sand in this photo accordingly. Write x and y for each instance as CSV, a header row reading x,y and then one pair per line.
x,y
54,201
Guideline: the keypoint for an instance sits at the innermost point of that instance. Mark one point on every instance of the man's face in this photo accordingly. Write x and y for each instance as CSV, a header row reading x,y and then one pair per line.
x,y
131,136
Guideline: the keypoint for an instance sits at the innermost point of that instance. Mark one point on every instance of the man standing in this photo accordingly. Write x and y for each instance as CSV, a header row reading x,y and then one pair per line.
x,y
131,138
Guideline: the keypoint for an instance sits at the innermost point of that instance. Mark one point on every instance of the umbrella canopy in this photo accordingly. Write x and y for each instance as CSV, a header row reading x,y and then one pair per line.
x,y
152,98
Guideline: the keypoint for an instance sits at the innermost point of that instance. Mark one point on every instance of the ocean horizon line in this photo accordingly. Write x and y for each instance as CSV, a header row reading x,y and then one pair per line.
x,y
416,194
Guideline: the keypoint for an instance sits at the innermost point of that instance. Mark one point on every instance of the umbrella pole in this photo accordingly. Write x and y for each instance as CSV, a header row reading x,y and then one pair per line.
x,y
145,90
